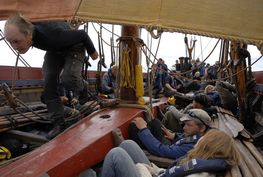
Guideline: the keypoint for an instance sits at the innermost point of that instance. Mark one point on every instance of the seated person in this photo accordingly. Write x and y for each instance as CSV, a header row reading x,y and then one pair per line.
x,y
214,154
211,92
109,81
172,116
172,84
228,96
164,143
197,76
159,76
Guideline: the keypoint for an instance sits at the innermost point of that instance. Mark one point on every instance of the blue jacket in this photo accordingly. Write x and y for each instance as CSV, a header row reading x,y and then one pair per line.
x,y
215,166
180,146
215,97
108,82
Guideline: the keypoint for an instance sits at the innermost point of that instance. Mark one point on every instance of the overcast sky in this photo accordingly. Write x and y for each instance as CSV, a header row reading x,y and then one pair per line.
x,y
171,48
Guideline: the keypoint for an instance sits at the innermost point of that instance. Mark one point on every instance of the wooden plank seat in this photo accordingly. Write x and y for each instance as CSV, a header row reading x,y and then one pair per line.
x,y
251,163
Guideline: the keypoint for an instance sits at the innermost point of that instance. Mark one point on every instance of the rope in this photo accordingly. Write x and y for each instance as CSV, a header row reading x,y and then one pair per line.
x,y
101,37
203,60
158,46
126,71
34,120
12,120
14,71
212,35
24,62
22,103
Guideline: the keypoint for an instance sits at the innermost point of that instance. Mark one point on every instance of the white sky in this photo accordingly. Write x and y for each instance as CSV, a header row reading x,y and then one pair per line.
x,y
171,48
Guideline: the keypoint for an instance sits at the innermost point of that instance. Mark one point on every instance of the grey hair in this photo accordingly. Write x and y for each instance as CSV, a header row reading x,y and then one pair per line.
x,y
24,25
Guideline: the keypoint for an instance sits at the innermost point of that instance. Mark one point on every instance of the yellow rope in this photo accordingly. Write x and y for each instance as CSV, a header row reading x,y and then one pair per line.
x,y
127,79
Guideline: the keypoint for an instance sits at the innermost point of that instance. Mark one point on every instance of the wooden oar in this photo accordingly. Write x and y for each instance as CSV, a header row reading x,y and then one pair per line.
x,y
26,136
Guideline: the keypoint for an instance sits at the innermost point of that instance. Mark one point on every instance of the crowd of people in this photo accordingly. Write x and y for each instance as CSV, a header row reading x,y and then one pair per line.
x,y
187,135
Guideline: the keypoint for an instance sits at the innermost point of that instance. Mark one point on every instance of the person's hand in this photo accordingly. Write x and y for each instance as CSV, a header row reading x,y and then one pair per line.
x,y
94,55
140,123
74,101
153,169
168,133
64,99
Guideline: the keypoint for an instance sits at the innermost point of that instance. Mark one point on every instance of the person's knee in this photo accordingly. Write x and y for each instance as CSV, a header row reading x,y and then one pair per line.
x,y
168,115
127,143
117,153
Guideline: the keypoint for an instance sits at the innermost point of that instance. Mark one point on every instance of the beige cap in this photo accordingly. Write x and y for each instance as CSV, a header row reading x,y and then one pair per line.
x,y
198,114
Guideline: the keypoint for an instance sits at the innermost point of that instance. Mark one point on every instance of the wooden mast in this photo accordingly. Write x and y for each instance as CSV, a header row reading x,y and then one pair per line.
x,y
239,80
128,41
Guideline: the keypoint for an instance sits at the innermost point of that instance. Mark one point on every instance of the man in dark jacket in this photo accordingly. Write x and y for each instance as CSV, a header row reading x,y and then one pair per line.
x,y
65,49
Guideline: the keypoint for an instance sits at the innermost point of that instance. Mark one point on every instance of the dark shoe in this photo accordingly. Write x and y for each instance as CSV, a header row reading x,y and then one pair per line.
x,y
117,137
55,131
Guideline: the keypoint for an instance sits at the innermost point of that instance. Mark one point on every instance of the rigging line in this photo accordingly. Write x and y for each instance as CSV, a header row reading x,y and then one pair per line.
x,y
205,48
201,46
101,36
16,53
194,47
30,109
186,72
32,119
186,78
240,70
191,69
77,9
109,30
152,62
158,45
150,53
14,72
256,60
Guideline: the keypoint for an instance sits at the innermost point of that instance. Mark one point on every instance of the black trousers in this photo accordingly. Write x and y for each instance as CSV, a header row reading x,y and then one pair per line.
x,y
64,67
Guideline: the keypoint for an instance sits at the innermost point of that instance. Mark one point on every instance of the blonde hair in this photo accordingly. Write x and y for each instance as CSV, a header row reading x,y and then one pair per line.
x,y
215,144
24,25
209,88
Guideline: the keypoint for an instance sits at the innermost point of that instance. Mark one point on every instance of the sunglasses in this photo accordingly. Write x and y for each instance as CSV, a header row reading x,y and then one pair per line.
x,y
193,115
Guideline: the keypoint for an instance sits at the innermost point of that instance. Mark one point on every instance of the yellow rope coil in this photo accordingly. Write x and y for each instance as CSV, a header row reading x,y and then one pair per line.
x,y
126,71
5,154
139,81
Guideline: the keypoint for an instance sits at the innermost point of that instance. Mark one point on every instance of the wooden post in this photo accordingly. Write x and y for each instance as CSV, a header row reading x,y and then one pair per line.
x,y
129,33
240,81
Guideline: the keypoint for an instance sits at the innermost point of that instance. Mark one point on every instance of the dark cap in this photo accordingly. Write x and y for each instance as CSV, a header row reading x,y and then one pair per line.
x,y
202,99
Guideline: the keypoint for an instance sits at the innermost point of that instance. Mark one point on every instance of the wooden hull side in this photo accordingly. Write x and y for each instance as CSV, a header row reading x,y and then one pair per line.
x,y
258,75
27,73
78,148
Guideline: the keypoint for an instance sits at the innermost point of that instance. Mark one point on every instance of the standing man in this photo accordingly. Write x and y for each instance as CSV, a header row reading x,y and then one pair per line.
x,y
65,49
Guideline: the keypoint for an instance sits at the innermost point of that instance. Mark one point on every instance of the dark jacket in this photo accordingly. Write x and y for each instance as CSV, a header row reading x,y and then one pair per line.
x,y
59,37
215,166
